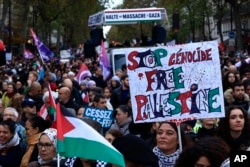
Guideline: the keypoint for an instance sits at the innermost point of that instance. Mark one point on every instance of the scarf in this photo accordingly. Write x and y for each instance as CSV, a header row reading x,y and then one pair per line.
x,y
166,160
42,162
13,142
31,141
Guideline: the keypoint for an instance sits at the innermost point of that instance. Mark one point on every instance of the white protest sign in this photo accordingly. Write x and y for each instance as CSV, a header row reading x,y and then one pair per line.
x,y
65,54
175,83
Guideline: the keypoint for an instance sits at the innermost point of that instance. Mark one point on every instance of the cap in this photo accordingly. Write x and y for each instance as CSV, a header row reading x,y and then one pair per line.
x,y
115,78
28,102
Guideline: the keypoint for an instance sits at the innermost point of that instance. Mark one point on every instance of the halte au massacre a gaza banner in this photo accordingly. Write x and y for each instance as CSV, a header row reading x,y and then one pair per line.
x,y
175,83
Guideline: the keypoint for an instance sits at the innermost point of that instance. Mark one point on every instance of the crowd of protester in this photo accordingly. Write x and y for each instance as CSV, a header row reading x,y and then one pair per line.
x,y
28,139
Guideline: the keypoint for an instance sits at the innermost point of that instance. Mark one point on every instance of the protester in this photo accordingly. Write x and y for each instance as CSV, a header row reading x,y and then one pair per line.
x,y
229,80
108,93
29,110
99,101
208,128
35,93
111,135
74,92
11,113
17,104
121,94
9,94
237,96
168,147
98,78
46,149
66,100
122,119
209,151
234,128
11,151
135,151
34,126
115,82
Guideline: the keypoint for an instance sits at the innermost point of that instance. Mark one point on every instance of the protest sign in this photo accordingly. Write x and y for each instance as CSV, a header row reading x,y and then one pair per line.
x,y
104,117
175,83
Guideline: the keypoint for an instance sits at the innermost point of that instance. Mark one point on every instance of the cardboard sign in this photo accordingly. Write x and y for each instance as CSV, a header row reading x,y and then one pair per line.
x,y
104,117
175,83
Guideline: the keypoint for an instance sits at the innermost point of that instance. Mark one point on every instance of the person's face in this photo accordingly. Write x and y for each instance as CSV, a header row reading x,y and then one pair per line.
x,y
109,137
10,89
46,148
247,74
247,90
202,162
102,103
119,74
236,120
5,134
29,130
8,114
107,93
126,83
62,95
231,78
209,121
18,84
30,110
113,83
31,77
4,85
98,72
121,116
83,86
64,76
238,92
80,112
91,96
167,139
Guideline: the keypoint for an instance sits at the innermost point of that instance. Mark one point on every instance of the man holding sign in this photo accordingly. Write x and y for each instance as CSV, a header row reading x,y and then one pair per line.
x,y
99,112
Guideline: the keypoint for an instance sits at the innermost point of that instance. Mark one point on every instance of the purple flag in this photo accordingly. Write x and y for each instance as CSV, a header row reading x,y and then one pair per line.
x,y
43,50
27,54
104,62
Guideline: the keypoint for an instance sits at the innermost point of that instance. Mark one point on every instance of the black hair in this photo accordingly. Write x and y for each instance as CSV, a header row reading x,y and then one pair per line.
x,y
37,121
213,148
98,97
124,109
10,124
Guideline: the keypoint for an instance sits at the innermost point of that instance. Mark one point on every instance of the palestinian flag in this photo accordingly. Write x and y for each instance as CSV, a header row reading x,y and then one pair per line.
x,y
75,138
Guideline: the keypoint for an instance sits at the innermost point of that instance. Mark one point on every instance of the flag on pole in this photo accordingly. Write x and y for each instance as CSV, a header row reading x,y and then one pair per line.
x,y
75,138
27,54
43,112
43,50
49,113
39,69
104,62
83,73
85,97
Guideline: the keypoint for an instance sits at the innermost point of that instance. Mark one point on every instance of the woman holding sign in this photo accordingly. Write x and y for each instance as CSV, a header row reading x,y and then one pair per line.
x,y
167,148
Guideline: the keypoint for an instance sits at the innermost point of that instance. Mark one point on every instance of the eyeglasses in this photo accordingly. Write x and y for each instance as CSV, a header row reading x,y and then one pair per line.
x,y
45,145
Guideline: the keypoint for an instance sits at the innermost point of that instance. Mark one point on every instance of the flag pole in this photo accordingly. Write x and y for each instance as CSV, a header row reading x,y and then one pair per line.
x,y
179,136
58,160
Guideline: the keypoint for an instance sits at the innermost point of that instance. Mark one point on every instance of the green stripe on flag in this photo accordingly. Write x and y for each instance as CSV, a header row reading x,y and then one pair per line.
x,y
89,149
